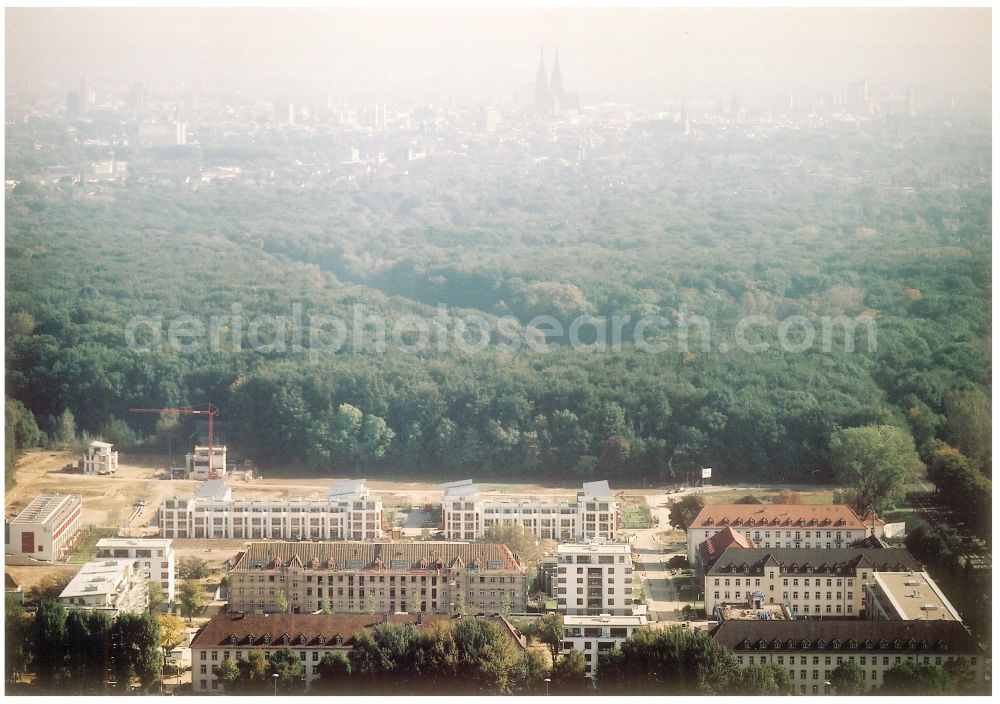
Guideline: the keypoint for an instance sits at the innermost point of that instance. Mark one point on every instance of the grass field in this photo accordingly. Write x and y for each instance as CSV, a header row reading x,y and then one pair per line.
x,y
807,496
87,548
637,517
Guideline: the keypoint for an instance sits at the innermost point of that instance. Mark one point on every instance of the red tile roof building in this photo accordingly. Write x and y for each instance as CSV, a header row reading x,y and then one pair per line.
x,y
782,525
358,577
710,550
234,636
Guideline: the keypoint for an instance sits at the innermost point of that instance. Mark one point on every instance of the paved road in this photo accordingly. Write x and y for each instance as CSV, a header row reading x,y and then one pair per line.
x,y
662,600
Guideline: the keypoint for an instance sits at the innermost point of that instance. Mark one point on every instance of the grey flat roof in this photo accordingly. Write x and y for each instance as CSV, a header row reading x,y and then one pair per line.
x,y
346,488
601,488
211,489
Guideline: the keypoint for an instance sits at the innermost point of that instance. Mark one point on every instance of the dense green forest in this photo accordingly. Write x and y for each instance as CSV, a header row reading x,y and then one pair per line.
x,y
890,224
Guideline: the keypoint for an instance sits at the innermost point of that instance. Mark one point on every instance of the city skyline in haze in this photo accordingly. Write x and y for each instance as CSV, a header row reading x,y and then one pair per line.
x,y
490,54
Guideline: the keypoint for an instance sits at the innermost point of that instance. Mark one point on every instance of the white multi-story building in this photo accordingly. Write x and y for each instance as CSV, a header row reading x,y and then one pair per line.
x,y
907,596
113,585
155,555
592,635
594,578
201,467
784,525
100,459
814,583
811,650
46,527
347,512
467,514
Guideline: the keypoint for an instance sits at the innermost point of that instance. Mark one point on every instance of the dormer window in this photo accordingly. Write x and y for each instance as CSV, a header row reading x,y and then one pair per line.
x,y
233,639
302,640
284,640
321,640
338,639
251,638
267,639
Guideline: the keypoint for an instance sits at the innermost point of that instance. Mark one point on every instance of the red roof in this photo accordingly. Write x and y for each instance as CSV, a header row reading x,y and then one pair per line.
x,y
314,630
868,519
741,516
713,548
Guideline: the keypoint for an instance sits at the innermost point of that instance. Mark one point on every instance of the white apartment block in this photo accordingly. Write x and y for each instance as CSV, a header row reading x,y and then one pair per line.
x,y
201,467
100,459
784,525
46,527
113,585
467,514
592,635
907,596
155,555
594,579
814,583
347,512
811,650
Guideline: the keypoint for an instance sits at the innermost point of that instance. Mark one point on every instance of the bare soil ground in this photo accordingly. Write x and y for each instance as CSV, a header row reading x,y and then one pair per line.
x,y
108,501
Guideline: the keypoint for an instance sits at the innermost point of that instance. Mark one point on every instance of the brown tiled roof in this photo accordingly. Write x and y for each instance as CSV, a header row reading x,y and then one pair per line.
x,y
871,516
313,630
713,548
870,541
743,516
867,636
819,561
354,555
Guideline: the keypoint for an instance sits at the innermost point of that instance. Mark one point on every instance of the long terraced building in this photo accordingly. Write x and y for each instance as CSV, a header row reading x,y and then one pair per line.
x,y
382,577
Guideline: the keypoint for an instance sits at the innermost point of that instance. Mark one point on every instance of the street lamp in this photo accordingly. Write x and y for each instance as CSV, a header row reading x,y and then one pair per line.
x,y
275,676
547,680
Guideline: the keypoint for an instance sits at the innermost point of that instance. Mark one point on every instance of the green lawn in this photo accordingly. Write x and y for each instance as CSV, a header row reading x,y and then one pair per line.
x,y
637,517
728,497
87,548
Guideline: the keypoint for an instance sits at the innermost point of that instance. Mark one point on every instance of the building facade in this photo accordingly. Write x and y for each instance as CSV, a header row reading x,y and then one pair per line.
x,y
810,650
155,555
348,512
467,514
110,585
311,636
202,467
46,528
100,459
382,577
811,583
783,525
594,579
592,635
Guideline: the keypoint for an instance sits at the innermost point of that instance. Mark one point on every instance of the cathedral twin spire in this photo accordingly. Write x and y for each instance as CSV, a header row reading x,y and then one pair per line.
x,y
546,87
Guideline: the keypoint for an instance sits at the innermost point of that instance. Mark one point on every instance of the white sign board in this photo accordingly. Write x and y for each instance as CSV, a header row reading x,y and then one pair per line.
x,y
706,472
894,530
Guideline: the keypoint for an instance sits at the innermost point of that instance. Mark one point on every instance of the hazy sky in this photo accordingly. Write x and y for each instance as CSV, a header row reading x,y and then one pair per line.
x,y
677,53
